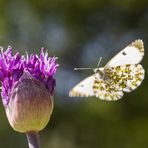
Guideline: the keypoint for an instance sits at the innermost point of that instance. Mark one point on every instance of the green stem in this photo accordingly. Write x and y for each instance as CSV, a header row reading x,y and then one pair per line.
x,y
33,139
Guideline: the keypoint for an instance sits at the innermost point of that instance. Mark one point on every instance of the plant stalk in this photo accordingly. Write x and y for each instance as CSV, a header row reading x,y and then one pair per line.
x,y
33,139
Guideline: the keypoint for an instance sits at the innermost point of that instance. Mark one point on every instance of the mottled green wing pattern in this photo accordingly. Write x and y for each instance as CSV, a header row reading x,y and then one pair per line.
x,y
126,77
118,79
106,90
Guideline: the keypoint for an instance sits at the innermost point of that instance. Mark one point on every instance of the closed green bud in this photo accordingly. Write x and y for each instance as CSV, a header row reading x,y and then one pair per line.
x,y
30,106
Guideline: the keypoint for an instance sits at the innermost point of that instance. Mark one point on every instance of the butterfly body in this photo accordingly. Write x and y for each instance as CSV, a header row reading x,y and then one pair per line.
x,y
122,73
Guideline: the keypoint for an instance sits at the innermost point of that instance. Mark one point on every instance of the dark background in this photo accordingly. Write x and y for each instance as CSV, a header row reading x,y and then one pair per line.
x,y
78,32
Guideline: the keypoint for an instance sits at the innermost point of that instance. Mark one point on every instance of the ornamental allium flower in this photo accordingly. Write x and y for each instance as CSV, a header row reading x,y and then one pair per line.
x,y
27,89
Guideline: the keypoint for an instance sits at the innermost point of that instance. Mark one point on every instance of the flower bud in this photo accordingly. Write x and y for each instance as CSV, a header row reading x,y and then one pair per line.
x,y
30,106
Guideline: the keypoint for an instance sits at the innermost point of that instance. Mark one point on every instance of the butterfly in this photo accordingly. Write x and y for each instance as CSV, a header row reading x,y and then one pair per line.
x,y
122,73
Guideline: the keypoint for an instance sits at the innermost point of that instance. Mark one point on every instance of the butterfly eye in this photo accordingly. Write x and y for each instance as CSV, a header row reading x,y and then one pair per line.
x,y
124,53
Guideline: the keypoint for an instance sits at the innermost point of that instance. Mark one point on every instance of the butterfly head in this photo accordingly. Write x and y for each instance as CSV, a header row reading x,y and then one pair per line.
x,y
98,70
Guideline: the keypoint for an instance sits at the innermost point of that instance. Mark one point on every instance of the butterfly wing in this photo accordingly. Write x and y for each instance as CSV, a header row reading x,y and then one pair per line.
x,y
126,77
84,88
96,86
106,90
132,54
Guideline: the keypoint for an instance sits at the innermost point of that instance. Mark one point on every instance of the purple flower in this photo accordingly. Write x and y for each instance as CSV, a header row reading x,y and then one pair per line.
x,y
14,66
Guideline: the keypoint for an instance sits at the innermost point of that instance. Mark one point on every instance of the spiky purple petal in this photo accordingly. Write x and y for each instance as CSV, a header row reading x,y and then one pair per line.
x,y
12,67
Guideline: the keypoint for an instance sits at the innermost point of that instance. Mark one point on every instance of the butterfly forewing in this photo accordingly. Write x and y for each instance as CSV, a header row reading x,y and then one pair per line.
x,y
132,54
84,88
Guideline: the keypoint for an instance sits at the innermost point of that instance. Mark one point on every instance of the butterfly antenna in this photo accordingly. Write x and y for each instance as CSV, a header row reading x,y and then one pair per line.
x,y
99,62
90,68
83,68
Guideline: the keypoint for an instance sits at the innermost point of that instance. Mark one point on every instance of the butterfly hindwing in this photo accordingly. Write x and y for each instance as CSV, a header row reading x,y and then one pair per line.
x,y
126,77
106,90
84,88
132,54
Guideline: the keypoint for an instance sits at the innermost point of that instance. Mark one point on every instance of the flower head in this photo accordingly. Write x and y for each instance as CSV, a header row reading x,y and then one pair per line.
x,y
27,89
13,66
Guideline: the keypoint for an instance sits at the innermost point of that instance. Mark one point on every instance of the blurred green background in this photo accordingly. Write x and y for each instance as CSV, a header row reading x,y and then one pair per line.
x,y
78,32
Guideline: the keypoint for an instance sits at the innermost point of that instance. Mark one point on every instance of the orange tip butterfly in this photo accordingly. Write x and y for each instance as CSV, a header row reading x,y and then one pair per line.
x,y
122,73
